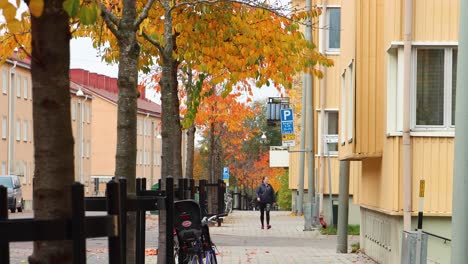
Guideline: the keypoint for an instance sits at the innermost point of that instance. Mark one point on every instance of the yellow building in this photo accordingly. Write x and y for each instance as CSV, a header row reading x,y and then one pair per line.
x,y
367,85
94,123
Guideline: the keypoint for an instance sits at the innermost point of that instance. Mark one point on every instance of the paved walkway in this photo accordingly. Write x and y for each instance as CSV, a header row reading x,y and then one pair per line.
x,y
240,240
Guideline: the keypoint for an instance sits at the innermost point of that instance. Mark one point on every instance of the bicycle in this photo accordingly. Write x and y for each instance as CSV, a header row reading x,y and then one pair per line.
x,y
192,242
208,245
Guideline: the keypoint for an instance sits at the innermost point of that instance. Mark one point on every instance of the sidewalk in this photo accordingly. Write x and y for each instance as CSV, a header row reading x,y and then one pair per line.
x,y
240,240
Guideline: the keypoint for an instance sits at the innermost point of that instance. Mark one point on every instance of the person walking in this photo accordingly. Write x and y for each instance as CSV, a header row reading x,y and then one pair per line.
x,y
265,197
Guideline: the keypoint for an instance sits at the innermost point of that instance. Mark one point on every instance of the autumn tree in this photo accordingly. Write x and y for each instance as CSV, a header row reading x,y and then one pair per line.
x,y
53,140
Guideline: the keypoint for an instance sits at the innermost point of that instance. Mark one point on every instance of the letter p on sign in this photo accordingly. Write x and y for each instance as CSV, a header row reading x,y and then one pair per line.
x,y
286,115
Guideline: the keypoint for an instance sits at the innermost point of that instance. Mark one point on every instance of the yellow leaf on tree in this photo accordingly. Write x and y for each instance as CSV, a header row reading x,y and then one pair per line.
x,y
36,7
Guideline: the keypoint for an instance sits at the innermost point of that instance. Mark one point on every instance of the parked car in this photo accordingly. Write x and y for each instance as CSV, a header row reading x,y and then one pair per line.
x,y
15,195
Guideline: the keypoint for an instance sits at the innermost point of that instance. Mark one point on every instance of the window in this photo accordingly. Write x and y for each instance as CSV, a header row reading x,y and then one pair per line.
x,y
4,168
73,111
87,149
12,81
25,88
334,29
4,82
350,104
88,115
25,131
343,108
18,130
331,124
434,89
4,127
18,87
25,173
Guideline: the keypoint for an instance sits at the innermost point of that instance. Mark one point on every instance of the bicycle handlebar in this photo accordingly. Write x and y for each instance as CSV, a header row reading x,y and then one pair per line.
x,y
206,220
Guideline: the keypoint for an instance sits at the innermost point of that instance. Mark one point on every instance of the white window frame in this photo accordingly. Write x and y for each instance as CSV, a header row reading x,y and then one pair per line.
x,y
395,91
24,179
25,131
73,110
328,50
448,58
343,109
88,117
4,172
4,127
350,103
18,130
25,88
4,81
327,112
18,86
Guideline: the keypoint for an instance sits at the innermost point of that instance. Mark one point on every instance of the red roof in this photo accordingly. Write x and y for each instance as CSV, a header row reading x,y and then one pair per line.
x,y
106,87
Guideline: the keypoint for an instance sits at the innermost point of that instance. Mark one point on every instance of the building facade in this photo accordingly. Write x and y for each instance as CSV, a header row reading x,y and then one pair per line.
x,y
375,104
94,125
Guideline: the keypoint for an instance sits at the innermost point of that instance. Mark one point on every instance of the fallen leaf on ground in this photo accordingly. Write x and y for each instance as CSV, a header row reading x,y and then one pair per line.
x,y
151,252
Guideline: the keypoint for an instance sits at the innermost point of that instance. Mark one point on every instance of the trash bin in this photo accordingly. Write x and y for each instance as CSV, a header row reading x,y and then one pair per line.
x,y
155,187
335,212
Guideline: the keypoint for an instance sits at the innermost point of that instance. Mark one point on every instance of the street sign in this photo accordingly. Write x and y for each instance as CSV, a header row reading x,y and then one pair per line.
x,y
286,115
226,173
287,127
287,137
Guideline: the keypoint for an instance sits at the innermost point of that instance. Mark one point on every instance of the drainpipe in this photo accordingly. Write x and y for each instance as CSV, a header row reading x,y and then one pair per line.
x,y
407,156
82,139
11,119
152,154
145,156
460,185
322,107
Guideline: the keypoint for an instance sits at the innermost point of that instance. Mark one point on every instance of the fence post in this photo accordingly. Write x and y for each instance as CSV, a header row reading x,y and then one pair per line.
x,y
169,219
192,189
138,225
180,189
202,198
142,225
185,182
78,227
4,247
123,218
113,204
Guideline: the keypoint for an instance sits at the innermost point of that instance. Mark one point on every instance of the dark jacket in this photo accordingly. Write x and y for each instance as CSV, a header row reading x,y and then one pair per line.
x,y
266,193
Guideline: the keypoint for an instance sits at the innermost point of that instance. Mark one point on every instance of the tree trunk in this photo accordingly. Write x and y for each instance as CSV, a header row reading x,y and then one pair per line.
x,y
125,158
190,152
211,160
170,123
190,131
53,138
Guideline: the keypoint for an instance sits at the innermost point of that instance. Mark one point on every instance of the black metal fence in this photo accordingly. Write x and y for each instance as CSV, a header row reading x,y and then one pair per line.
x,y
114,224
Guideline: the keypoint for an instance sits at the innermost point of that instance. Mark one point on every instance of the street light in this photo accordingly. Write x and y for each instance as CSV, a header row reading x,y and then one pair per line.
x,y
263,138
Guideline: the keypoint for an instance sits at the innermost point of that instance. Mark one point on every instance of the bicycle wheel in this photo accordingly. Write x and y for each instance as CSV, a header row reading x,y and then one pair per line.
x,y
195,259
211,257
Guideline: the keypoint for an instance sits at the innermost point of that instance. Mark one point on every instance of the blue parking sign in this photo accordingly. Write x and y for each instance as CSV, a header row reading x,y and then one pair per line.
x,y
286,115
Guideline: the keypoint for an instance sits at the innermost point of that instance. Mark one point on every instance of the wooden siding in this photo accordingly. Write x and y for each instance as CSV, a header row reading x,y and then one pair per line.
x,y
435,20
370,76
335,168
433,162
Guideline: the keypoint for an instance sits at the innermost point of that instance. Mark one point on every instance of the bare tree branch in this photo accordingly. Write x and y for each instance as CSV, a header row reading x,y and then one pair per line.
x,y
144,14
153,42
